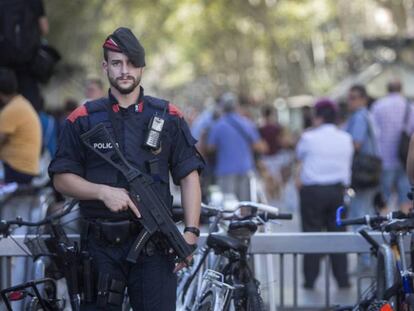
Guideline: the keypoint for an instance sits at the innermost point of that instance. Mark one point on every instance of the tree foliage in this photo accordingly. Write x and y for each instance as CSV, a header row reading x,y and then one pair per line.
x,y
259,48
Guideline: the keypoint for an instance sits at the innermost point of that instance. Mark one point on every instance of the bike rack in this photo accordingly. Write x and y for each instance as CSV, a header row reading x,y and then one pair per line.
x,y
278,247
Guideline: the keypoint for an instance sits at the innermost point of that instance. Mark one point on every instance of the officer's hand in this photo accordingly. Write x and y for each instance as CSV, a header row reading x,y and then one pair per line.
x,y
117,199
191,239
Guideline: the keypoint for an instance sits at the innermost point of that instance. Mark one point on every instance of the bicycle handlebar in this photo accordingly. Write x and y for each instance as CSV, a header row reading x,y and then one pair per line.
x,y
5,224
368,219
283,216
268,211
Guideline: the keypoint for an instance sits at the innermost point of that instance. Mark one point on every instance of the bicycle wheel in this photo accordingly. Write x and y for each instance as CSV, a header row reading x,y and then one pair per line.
x,y
254,299
34,305
207,302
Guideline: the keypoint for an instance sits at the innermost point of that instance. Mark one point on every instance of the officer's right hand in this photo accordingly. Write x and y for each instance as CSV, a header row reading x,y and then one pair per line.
x,y
117,199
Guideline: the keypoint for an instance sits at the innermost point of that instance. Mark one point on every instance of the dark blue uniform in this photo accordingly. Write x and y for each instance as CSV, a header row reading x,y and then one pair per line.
x,y
151,282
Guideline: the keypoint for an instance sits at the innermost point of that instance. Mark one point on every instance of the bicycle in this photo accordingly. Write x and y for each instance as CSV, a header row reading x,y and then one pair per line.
x,y
229,284
394,280
64,254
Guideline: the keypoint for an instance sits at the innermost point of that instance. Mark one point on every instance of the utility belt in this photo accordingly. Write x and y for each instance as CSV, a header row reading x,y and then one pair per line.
x,y
112,233
117,233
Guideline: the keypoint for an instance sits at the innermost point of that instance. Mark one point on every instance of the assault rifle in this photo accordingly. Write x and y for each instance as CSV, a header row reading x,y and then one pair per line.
x,y
155,215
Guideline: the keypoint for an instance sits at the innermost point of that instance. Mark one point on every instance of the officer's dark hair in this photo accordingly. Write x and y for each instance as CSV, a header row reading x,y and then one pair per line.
x,y
360,89
8,81
326,110
267,111
105,54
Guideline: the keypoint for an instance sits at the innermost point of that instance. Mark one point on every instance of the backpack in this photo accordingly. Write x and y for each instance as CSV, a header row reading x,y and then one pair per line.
x,y
19,32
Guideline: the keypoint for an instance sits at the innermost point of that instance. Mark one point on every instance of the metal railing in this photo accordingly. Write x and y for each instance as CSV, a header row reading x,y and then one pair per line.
x,y
275,247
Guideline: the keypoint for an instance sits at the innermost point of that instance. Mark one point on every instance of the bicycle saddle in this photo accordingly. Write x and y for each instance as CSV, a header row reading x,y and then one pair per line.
x,y
243,224
223,242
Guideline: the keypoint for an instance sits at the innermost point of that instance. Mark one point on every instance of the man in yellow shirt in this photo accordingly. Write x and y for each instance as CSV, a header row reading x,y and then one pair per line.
x,y
20,132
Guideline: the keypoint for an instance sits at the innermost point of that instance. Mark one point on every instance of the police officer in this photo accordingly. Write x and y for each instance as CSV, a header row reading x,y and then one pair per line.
x,y
104,202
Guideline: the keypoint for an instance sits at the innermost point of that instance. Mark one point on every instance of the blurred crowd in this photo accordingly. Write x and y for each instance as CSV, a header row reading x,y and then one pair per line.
x,y
364,148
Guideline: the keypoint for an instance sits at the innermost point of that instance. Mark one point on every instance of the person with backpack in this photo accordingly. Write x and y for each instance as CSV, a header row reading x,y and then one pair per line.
x,y
393,115
234,139
364,134
22,25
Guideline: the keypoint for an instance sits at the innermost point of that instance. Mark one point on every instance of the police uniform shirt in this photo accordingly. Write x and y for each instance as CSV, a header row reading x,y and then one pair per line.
x,y
177,154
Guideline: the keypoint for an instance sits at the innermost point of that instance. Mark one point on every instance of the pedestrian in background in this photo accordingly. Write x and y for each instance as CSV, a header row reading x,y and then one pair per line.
x,y
325,153
272,133
234,139
365,139
29,17
20,145
393,114
94,89
20,132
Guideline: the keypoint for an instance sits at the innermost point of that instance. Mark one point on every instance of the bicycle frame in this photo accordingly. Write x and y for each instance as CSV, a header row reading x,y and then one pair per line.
x,y
398,248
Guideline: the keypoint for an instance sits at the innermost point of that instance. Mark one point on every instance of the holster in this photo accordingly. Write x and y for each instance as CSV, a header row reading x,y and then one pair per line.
x,y
88,278
110,291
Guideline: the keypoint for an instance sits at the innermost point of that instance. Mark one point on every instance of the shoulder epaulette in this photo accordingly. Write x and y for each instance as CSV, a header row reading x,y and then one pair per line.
x,y
174,111
78,112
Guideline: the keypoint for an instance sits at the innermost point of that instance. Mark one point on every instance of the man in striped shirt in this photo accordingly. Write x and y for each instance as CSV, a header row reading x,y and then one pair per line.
x,y
389,114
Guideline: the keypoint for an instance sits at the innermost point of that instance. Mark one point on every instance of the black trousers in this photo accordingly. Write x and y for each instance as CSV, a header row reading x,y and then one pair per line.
x,y
150,282
318,206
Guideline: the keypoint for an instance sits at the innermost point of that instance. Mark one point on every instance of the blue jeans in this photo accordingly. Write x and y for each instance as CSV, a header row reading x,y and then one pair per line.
x,y
362,203
395,180
150,282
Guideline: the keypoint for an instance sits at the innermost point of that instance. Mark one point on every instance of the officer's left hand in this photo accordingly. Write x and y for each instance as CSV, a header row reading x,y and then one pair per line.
x,y
191,239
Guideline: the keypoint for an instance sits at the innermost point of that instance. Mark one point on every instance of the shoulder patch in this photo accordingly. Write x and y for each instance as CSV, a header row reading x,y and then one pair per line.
x,y
78,112
174,111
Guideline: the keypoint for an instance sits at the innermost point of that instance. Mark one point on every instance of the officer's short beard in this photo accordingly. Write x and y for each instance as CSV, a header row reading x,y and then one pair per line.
x,y
125,91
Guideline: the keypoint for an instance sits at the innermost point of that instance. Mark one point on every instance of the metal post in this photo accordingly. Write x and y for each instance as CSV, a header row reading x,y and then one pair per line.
x,y
295,280
8,270
327,281
4,272
359,279
282,279
271,282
